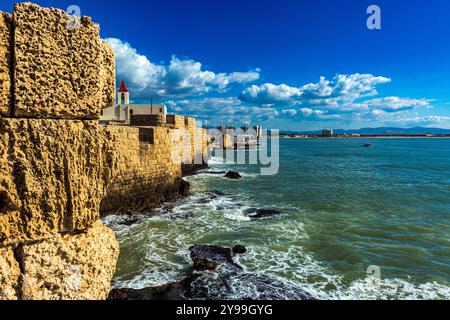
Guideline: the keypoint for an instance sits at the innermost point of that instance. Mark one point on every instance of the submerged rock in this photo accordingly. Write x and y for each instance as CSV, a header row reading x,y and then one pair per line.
x,y
242,286
131,221
261,213
216,276
218,193
171,291
239,249
223,278
233,175
212,257
184,188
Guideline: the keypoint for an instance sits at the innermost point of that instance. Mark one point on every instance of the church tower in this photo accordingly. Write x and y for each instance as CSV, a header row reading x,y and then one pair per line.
x,y
124,95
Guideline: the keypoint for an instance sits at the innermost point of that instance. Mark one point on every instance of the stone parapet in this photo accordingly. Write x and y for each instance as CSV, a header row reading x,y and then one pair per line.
x,y
189,122
148,120
174,121
147,174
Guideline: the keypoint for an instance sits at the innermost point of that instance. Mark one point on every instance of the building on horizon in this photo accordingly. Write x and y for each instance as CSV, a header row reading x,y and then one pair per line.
x,y
327,133
258,131
123,110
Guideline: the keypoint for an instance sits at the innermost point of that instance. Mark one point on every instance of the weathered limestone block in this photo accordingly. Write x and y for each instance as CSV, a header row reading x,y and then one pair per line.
x,y
53,175
9,275
71,267
5,78
63,69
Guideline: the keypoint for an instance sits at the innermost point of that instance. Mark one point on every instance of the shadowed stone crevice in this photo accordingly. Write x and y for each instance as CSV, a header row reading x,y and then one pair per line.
x,y
19,256
4,201
68,215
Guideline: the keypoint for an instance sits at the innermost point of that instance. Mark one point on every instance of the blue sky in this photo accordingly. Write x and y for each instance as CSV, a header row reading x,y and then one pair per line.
x,y
294,65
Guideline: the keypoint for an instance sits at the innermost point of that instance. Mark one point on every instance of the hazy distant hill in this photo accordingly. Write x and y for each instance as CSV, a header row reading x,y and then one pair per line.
x,y
382,130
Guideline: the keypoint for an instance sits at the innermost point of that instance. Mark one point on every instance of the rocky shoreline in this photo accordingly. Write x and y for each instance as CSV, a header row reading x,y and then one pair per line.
x,y
215,275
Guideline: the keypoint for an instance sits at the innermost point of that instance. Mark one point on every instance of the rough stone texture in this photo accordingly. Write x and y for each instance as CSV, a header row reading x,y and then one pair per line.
x,y
175,122
61,72
71,267
150,166
217,276
5,78
9,275
55,164
146,174
189,122
53,175
148,120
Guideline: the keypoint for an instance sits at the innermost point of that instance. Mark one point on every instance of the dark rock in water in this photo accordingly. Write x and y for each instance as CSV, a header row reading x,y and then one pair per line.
x,y
217,276
218,193
184,188
261,213
205,200
131,220
181,216
211,257
171,291
233,175
239,249
223,279
241,286
368,145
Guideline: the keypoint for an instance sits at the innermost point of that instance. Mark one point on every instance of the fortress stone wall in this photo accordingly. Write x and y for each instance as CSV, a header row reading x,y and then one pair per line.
x,y
60,170
150,165
56,161
62,67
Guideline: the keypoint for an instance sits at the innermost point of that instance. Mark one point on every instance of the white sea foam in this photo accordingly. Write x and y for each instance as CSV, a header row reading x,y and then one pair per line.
x,y
161,244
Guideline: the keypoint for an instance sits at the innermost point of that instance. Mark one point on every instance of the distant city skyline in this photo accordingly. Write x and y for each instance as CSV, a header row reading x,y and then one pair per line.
x,y
293,65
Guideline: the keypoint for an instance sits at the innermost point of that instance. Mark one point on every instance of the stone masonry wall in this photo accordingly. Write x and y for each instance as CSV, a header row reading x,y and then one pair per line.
x,y
61,70
55,161
59,169
5,60
149,167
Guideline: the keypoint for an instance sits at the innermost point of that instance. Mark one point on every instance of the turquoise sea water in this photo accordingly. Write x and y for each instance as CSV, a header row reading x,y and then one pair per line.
x,y
345,208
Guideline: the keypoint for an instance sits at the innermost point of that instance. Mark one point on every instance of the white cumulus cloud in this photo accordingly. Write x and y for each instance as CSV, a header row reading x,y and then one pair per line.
x,y
342,88
181,78
395,104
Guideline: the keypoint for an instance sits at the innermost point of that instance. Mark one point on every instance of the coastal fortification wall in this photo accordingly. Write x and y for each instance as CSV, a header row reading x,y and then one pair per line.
x,y
5,59
150,166
146,174
55,161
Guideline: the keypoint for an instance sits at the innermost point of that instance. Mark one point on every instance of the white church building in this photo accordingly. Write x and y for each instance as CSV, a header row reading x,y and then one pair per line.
x,y
123,110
